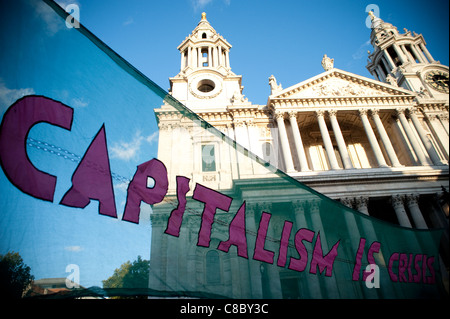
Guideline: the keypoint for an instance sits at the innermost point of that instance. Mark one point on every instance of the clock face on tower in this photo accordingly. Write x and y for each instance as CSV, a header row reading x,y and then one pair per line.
x,y
438,80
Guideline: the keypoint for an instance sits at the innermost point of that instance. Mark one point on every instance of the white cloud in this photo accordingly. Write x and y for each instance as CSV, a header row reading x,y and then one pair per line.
x,y
362,51
9,96
79,102
127,150
73,248
51,19
200,4
152,137
129,21
123,186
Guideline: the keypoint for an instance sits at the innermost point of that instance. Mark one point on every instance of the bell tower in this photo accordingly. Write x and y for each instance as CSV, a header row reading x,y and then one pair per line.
x,y
402,59
205,80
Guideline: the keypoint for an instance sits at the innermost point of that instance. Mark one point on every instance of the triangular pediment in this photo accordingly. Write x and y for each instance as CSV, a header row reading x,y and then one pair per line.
x,y
338,83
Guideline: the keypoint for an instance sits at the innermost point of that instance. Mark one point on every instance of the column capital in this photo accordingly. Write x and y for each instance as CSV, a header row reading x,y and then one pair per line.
x,y
374,112
347,201
292,114
332,112
412,111
362,112
442,116
397,200
412,199
279,114
299,206
361,201
319,113
400,111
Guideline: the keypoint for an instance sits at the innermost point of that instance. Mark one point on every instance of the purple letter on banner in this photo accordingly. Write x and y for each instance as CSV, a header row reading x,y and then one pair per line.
x,y
176,216
236,234
212,200
16,123
138,190
260,253
92,179
324,262
300,263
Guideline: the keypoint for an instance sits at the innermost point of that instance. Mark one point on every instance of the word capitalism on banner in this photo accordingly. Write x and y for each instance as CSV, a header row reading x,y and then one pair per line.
x,y
94,182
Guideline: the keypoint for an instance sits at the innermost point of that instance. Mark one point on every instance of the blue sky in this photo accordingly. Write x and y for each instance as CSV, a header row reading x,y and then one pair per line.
x,y
285,38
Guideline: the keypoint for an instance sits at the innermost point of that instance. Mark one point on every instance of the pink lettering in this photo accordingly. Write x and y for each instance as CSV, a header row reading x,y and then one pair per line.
x,y
358,258
236,234
284,242
300,263
213,200
418,275
92,179
176,216
16,123
323,262
138,190
394,257
260,253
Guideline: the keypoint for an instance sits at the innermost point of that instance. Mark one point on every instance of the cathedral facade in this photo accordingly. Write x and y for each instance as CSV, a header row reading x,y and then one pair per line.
x,y
379,146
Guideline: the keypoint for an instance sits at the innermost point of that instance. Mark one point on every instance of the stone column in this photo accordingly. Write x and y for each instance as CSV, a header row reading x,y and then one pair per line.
x,y
386,64
412,139
417,54
300,220
298,142
385,139
327,140
289,165
227,57
386,54
381,73
199,57
340,140
435,125
425,140
443,118
362,204
220,56
316,220
407,54
426,52
372,138
193,57
215,58
209,57
413,205
255,273
397,203
400,54
272,269
182,60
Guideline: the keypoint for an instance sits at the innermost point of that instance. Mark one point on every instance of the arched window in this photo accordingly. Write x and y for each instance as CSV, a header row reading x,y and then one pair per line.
x,y
212,267
204,35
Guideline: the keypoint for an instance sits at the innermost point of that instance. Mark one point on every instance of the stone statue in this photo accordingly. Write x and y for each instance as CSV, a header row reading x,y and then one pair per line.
x,y
327,63
391,80
274,87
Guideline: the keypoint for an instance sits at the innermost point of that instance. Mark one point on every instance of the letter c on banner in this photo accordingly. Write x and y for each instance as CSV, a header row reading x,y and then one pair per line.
x,y
16,123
